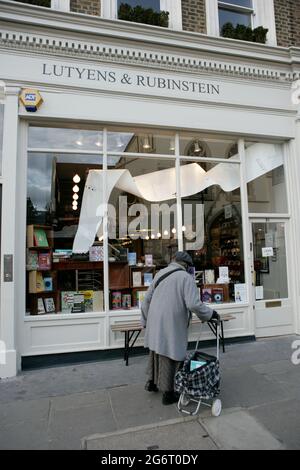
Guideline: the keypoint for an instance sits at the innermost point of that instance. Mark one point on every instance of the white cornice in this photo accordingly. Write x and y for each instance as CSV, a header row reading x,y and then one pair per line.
x,y
41,30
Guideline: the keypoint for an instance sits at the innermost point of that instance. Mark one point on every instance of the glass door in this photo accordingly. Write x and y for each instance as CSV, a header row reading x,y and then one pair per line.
x,y
273,308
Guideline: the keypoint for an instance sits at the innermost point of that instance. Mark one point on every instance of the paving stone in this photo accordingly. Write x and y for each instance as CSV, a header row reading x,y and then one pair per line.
x,y
29,435
133,406
19,412
67,427
238,430
245,387
282,420
174,435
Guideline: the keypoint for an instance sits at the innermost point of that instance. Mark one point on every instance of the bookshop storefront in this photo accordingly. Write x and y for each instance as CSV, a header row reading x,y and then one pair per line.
x,y
120,167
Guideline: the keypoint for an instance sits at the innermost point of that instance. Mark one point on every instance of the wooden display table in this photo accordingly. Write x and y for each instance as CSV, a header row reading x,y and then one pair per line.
x,y
133,328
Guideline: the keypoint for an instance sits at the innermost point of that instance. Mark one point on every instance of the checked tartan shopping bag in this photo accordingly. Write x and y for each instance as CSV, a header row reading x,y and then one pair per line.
x,y
203,382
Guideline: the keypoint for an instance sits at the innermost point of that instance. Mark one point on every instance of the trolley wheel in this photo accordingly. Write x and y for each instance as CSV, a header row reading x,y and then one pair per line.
x,y
185,400
216,408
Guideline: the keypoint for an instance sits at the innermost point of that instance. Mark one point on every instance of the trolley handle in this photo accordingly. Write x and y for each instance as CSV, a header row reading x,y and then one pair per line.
x,y
217,323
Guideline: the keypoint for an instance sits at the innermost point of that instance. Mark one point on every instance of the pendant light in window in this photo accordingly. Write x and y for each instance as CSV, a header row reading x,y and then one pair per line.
x,y
76,179
146,143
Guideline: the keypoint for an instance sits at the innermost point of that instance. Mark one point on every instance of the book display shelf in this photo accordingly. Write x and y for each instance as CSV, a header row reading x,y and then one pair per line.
x,y
57,283
41,280
128,284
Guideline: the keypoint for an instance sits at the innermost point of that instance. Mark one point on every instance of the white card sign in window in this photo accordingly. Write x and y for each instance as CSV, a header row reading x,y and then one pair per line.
x,y
259,293
240,293
269,239
268,252
228,211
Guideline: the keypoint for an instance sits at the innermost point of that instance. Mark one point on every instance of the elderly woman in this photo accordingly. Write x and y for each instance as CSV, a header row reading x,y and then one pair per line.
x,y
166,312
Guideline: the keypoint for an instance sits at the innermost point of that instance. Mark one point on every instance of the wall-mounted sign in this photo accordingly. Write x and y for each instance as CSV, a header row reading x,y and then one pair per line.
x,y
31,99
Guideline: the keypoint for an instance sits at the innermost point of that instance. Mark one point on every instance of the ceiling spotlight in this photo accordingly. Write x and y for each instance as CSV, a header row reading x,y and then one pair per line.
x,y
183,228
159,235
75,197
197,148
98,143
74,208
79,142
74,204
75,189
147,237
166,233
153,236
76,179
146,144
174,230
172,145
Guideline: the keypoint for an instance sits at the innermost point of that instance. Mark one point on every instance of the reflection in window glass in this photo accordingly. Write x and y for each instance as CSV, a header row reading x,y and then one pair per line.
x,y
154,4
229,16
266,182
205,145
212,225
1,131
56,280
241,3
141,141
270,272
71,139
142,233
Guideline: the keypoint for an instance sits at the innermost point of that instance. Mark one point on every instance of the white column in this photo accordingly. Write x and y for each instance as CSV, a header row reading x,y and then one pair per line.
x,y
175,13
8,231
246,235
212,18
62,5
109,9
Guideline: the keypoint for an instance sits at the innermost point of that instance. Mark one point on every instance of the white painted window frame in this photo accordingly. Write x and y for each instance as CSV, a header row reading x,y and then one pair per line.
x,y
263,15
62,5
109,11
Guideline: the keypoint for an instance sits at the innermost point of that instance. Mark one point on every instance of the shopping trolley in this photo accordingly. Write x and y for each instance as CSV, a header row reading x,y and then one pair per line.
x,y
201,385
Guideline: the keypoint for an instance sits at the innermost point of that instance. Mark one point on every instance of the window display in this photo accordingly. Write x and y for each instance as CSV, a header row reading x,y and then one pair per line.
x,y
57,280
212,224
140,229
1,132
95,214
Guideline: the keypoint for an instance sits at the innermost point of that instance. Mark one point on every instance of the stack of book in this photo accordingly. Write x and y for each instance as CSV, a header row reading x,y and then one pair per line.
x,y
60,255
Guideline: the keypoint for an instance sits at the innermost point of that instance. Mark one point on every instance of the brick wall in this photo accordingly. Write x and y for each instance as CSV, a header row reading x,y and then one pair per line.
x,y
89,7
193,16
287,15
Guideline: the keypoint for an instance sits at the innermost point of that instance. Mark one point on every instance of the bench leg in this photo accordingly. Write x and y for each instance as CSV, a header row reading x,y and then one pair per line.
x,y
222,336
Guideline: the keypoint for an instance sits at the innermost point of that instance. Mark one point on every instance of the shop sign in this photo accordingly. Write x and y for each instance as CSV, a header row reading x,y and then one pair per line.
x,y
143,82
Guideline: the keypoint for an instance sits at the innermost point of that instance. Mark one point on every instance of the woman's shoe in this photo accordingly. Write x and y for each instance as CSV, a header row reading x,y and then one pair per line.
x,y
169,398
150,386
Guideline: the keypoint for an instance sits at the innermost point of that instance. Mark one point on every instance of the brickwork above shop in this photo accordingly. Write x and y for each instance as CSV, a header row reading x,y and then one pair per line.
x,y
287,14
88,7
193,16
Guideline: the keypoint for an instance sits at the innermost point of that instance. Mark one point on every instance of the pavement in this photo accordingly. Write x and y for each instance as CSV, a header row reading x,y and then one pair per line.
x,y
103,406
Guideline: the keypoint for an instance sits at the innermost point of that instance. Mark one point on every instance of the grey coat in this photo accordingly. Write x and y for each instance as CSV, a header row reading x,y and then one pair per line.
x,y
166,312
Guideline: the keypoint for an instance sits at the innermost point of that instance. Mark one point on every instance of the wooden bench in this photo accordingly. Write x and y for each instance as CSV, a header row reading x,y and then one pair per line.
x,y
133,328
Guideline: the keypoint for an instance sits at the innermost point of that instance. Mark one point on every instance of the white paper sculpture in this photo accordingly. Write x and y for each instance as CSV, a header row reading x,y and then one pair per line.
x,y
160,186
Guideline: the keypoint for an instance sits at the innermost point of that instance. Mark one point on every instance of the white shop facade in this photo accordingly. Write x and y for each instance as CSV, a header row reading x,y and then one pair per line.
x,y
189,142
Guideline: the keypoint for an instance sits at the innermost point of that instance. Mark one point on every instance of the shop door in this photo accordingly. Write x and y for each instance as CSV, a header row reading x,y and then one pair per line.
x,y
269,270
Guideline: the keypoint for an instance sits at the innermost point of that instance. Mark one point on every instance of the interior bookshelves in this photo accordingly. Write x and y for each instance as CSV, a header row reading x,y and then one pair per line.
x,y
49,282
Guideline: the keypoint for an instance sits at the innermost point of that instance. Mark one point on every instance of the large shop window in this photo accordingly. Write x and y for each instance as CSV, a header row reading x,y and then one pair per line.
x,y
1,133
106,210
212,219
142,223
56,279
